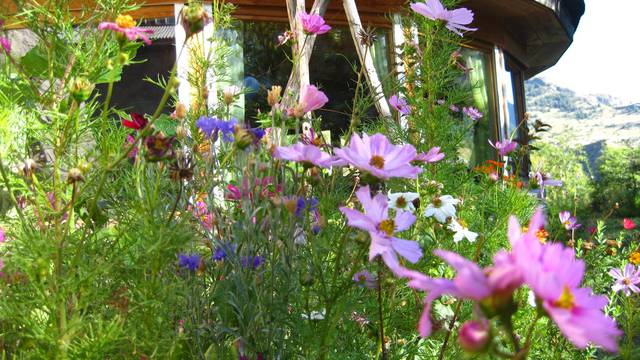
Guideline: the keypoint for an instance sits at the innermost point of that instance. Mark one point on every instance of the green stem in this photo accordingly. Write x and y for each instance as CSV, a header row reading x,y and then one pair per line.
x,y
383,348
5,179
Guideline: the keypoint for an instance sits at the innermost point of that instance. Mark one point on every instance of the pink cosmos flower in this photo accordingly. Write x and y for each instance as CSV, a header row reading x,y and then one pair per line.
x,y
471,282
454,108
365,279
569,222
375,220
314,24
472,113
309,155
434,155
627,280
3,235
505,147
628,224
312,99
555,276
455,19
377,156
125,25
5,44
400,105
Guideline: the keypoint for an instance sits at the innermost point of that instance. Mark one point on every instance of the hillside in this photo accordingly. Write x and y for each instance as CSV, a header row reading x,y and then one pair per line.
x,y
589,121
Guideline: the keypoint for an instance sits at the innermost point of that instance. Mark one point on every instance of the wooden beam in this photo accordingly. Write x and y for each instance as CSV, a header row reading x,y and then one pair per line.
x,y
366,60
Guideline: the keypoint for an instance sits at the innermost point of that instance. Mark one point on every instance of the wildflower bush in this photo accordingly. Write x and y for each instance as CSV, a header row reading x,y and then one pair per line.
x,y
189,233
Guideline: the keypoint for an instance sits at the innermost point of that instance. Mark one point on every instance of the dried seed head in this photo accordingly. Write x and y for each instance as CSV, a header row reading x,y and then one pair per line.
x,y
74,175
273,95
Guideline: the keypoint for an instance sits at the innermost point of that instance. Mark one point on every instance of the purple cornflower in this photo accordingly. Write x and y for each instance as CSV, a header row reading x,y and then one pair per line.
x,y
313,24
505,147
310,205
190,262
376,221
569,222
434,155
627,280
253,261
472,112
377,156
125,25
365,279
455,19
212,125
400,105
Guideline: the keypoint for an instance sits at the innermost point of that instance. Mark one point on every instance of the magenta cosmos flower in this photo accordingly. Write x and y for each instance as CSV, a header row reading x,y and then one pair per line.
x,y
400,105
377,156
455,19
125,25
505,147
569,222
314,24
555,277
312,99
471,282
432,156
627,280
308,155
376,221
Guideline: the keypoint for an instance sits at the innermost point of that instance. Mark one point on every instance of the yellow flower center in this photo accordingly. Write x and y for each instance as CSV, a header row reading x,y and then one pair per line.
x,y
626,281
401,202
387,226
436,202
462,223
377,161
542,235
125,21
566,300
635,258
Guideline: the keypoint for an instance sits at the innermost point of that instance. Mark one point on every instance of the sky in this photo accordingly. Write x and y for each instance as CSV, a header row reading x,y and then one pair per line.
x,y
605,55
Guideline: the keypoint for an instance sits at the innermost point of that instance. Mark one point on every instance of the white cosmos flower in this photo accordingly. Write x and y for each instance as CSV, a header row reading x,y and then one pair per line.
x,y
442,207
402,201
461,231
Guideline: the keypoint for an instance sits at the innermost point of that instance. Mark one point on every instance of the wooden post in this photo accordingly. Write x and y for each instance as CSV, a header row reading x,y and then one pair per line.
x,y
366,60
300,75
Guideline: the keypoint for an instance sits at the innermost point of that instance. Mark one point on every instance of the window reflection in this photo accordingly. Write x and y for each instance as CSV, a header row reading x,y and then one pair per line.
x,y
480,78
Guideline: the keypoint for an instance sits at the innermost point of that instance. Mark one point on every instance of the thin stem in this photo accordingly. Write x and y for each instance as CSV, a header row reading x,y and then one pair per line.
x,y
5,179
381,312
175,204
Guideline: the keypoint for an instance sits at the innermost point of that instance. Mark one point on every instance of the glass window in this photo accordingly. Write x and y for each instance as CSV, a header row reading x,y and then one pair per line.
x,y
507,97
481,80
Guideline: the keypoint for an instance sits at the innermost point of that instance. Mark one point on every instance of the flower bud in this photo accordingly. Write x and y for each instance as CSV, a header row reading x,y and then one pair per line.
x,y
123,58
181,111
194,18
243,138
474,336
181,132
273,95
229,94
297,111
80,88
74,175
28,167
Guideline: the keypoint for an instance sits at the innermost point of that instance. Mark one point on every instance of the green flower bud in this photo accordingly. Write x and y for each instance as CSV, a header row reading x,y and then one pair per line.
x,y
80,88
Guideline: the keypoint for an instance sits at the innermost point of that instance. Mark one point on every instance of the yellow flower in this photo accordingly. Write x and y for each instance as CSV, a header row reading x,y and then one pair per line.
x,y
634,258
125,21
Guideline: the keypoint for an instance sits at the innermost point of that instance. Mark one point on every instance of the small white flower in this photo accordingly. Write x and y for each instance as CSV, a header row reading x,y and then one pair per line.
x,y
461,231
315,315
442,207
402,201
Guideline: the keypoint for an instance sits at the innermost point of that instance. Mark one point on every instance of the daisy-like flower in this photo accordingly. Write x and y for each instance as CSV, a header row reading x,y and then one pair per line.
x,y
137,122
442,208
365,279
314,24
308,155
627,280
461,231
375,220
402,201
432,156
400,105
505,147
473,113
125,25
455,19
555,276
569,222
377,156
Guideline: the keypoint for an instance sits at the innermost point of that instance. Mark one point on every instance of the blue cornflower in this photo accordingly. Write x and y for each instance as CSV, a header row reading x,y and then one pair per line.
x,y
302,204
223,251
253,261
191,262
211,125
